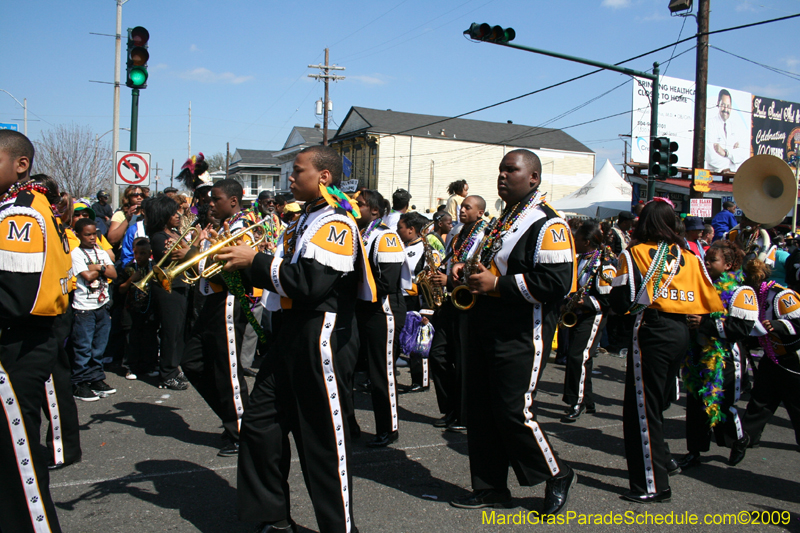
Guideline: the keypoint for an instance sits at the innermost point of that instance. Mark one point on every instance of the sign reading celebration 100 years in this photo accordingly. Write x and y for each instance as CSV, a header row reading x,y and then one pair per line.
x,y
776,128
738,124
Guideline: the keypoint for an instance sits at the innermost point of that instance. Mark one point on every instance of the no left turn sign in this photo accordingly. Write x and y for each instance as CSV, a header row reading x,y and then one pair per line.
x,y
132,168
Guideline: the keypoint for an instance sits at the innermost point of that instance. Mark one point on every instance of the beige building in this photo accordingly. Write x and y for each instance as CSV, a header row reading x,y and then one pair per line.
x,y
423,154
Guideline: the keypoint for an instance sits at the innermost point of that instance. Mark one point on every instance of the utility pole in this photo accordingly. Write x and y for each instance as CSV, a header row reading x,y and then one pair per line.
x,y
700,90
326,77
172,175
227,158
115,127
190,130
156,168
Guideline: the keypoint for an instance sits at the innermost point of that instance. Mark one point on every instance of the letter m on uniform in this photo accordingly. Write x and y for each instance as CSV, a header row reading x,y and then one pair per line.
x,y
337,238
559,234
391,241
788,301
749,299
17,234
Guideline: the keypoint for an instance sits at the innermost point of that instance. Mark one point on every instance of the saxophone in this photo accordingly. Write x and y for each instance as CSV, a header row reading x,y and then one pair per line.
x,y
434,296
462,297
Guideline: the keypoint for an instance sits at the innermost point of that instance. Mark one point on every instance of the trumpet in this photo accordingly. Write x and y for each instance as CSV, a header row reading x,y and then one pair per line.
x,y
166,276
143,285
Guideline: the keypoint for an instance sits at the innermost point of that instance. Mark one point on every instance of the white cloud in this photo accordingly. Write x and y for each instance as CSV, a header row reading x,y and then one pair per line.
x,y
745,6
654,17
616,4
375,79
771,91
204,75
792,63
194,48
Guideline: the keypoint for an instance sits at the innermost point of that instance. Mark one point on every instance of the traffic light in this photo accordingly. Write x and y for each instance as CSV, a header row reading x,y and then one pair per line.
x,y
491,34
137,57
660,157
672,170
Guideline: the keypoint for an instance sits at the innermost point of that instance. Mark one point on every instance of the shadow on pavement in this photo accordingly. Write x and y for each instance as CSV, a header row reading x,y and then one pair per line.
x,y
157,420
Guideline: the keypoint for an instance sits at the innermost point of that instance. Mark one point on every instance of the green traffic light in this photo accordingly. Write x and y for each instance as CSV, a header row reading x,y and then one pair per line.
x,y
138,77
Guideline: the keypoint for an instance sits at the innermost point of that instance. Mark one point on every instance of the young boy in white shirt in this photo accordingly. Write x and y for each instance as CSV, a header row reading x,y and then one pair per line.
x,y
92,323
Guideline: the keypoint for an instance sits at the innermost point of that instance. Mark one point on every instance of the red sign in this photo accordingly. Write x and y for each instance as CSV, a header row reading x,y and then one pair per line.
x,y
133,168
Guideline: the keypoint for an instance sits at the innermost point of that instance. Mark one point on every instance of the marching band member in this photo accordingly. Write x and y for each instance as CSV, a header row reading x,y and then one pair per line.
x,y
520,272
715,372
777,379
300,385
409,228
379,323
211,356
596,269
35,272
659,284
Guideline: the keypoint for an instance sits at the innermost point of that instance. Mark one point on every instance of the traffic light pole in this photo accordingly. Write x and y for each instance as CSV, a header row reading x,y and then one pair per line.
x,y
651,184
134,118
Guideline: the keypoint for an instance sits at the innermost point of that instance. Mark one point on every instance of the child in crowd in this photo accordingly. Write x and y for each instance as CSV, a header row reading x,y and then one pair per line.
x,y
92,267
141,330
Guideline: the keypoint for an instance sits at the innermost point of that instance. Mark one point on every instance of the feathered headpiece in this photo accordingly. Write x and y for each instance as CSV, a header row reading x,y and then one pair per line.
x,y
194,172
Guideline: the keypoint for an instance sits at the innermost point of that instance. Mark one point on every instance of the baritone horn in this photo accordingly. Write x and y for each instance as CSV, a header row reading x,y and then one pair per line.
x,y
143,285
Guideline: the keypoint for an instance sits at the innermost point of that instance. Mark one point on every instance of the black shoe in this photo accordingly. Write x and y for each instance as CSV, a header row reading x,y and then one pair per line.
x,y
59,466
173,384
689,460
663,496
591,409
556,493
272,528
445,421
101,388
229,450
574,413
249,372
672,467
483,498
182,378
456,427
82,392
561,360
416,387
738,449
384,439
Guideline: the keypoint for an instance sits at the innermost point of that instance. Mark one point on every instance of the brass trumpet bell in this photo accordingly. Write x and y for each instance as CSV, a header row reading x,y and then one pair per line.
x,y
568,319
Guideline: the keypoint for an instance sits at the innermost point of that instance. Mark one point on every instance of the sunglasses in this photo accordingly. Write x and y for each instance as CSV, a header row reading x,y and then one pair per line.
x,y
136,194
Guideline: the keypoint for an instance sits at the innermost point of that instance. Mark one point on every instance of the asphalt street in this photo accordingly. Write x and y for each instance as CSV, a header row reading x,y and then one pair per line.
x,y
150,464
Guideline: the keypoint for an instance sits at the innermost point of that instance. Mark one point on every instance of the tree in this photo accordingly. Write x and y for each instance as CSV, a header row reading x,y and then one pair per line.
x,y
217,161
72,155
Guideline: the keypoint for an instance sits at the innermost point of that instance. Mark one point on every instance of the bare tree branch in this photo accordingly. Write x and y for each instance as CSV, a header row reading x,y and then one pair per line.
x,y
71,155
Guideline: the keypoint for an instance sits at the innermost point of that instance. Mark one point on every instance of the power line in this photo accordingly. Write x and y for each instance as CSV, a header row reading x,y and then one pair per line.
x,y
776,70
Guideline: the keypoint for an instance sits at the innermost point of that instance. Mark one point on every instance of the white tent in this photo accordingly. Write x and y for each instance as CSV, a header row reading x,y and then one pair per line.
x,y
605,195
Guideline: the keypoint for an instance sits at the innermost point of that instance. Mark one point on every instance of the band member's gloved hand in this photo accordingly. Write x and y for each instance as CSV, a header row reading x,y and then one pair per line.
x,y
236,257
482,282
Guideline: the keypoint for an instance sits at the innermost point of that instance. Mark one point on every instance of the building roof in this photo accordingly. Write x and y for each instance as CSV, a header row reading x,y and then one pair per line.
x,y
362,120
309,136
256,157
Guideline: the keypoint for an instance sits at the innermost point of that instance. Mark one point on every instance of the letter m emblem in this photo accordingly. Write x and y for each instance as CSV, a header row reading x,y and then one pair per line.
x,y
17,234
391,241
789,301
559,234
337,238
749,299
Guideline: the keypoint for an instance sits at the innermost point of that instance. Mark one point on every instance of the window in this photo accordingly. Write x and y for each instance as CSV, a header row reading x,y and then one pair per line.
x,y
374,166
254,185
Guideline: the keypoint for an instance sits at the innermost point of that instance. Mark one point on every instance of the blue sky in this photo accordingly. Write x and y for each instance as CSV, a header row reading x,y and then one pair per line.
x,y
243,64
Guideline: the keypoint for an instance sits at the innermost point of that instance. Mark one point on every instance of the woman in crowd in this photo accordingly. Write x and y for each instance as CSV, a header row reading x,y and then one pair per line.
x,y
127,215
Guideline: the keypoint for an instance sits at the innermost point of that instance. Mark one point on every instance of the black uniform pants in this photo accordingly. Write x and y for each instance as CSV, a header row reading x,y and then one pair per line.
x,y
507,355
376,330
349,343
659,344
211,359
442,361
584,338
172,308
63,432
773,386
698,432
299,389
27,356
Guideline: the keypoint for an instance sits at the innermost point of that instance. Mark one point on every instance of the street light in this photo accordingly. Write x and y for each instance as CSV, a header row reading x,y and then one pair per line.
x,y
24,108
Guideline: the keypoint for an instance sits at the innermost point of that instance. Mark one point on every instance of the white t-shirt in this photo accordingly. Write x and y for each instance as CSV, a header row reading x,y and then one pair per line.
x,y
89,295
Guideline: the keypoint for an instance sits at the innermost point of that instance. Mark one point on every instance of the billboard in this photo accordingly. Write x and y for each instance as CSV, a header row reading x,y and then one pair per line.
x,y
776,128
738,124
